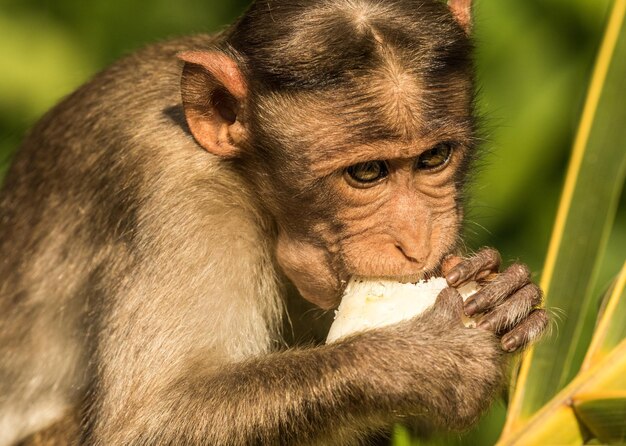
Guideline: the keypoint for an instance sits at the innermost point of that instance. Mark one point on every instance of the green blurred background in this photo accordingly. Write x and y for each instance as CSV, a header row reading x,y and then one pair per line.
x,y
534,61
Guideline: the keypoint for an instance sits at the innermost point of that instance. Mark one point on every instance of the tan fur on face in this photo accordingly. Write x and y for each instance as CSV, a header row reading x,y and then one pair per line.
x,y
414,213
395,88
401,229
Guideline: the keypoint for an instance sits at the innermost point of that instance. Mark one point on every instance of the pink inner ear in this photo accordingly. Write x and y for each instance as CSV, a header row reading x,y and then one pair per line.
x,y
462,10
212,88
222,67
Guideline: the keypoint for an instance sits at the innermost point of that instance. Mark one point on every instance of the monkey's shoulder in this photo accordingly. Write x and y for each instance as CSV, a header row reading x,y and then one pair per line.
x,y
132,104
126,122
140,85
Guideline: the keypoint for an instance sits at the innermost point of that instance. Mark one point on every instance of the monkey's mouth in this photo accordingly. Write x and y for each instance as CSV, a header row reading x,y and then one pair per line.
x,y
414,277
408,278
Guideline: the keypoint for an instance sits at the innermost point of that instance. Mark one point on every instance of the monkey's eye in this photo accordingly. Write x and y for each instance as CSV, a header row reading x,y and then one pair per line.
x,y
366,174
434,158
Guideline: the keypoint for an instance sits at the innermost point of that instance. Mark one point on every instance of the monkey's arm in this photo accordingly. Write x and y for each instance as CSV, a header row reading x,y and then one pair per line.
x,y
431,367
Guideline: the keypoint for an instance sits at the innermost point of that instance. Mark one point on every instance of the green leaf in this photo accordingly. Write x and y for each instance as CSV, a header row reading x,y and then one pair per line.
x,y
604,417
588,206
611,328
561,426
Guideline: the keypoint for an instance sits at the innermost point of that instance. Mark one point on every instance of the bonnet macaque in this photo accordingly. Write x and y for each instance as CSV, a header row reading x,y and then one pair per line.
x,y
150,222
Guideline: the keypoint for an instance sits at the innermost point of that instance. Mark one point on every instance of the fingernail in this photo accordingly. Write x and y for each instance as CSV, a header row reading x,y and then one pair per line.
x,y
481,275
453,276
509,344
470,307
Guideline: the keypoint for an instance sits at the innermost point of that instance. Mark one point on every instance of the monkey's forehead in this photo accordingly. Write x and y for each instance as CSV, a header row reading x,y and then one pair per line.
x,y
354,124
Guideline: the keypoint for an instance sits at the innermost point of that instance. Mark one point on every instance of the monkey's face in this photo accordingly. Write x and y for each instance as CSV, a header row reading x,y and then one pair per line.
x,y
392,214
346,206
399,215
356,145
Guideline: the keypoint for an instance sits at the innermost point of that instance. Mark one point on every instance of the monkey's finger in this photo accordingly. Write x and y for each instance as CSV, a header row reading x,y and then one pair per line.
x,y
476,267
449,303
505,284
513,310
529,330
449,262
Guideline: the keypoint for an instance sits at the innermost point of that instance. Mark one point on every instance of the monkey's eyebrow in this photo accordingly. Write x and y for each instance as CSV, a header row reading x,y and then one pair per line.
x,y
326,161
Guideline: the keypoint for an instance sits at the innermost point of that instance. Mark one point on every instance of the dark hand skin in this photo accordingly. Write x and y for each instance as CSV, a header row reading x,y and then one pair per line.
x,y
508,301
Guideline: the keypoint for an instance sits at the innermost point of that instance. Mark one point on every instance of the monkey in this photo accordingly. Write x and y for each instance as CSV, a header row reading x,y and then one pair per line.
x,y
152,220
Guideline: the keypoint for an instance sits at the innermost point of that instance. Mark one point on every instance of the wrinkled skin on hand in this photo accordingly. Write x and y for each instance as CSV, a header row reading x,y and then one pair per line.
x,y
508,301
463,368
432,367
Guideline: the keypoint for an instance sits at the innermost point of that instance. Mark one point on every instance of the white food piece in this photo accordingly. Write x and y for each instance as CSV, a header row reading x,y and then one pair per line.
x,y
375,303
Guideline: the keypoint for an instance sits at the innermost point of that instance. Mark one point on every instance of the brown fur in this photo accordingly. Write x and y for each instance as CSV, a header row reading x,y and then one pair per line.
x,y
145,237
64,432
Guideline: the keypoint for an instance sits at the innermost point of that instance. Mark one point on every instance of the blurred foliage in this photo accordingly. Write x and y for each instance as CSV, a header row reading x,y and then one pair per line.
x,y
558,395
595,180
534,58
49,47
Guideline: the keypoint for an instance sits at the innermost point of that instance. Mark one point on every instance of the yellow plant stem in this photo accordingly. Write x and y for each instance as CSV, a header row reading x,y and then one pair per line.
x,y
557,418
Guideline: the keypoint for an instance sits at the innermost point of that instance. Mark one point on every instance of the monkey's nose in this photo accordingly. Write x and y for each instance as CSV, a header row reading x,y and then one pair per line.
x,y
416,256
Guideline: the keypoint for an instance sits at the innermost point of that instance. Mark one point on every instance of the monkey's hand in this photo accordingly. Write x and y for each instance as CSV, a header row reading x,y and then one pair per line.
x,y
460,370
508,300
441,373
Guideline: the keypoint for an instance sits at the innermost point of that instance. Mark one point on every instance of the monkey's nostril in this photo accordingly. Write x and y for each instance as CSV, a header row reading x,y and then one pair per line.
x,y
408,257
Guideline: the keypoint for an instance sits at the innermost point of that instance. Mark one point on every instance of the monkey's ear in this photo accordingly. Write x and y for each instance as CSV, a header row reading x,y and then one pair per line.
x,y
213,92
462,11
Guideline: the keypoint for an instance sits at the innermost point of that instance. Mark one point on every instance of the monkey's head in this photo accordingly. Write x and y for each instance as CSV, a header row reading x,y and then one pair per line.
x,y
353,122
